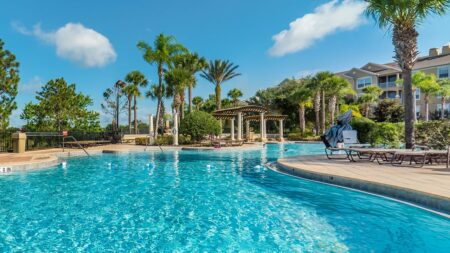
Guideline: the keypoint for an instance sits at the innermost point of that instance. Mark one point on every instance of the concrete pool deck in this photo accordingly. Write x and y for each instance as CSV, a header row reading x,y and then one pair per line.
x,y
428,187
40,159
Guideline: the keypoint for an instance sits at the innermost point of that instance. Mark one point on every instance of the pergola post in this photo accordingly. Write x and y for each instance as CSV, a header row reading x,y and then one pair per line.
x,y
239,136
261,127
281,131
232,129
265,128
247,130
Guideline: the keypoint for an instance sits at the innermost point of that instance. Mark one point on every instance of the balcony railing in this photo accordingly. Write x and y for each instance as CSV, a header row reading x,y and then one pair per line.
x,y
387,84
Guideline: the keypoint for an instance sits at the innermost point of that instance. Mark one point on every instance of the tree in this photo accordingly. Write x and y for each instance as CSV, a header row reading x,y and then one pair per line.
x,y
370,95
162,53
177,79
302,96
444,93
217,72
135,80
197,101
389,111
113,103
59,107
9,80
199,124
234,95
317,86
402,17
337,87
154,93
428,86
192,63
128,91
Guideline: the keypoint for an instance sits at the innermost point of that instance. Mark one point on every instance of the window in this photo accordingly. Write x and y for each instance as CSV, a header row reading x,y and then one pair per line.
x,y
443,72
417,94
392,94
363,82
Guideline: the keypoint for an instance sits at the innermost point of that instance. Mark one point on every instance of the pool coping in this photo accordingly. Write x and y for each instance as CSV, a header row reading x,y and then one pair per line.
x,y
430,202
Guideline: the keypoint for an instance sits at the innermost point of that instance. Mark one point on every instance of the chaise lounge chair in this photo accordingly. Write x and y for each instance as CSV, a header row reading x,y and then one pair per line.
x,y
350,142
418,159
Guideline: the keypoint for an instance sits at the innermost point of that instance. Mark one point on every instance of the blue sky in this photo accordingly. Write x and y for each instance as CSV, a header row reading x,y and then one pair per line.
x,y
326,35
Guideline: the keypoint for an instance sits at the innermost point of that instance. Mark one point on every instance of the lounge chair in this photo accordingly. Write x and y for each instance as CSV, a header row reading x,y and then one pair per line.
x,y
350,141
418,159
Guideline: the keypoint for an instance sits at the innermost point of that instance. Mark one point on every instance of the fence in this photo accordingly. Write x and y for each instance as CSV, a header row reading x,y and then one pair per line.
x,y
5,141
46,140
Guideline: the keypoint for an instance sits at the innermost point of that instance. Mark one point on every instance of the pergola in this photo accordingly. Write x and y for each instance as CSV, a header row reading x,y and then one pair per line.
x,y
249,113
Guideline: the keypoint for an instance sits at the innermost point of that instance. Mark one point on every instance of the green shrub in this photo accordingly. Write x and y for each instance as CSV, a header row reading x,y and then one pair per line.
x,y
387,134
300,137
142,141
198,124
184,139
389,111
164,140
434,134
364,127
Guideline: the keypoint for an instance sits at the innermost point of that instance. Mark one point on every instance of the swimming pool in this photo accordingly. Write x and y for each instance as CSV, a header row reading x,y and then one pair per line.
x,y
203,201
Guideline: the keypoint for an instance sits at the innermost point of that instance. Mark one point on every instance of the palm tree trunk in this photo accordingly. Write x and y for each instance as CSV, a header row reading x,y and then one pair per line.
x,y
317,111
301,116
218,98
190,98
367,110
323,117
410,101
332,109
182,98
443,107
129,115
426,108
158,108
135,116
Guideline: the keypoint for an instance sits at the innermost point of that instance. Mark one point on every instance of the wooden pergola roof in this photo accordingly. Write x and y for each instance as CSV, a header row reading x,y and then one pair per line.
x,y
236,110
267,117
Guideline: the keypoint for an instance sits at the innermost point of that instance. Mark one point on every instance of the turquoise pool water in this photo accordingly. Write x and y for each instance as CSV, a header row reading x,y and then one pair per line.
x,y
202,202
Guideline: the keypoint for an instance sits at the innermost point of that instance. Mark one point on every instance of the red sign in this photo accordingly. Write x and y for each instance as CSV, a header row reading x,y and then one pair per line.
x,y
65,133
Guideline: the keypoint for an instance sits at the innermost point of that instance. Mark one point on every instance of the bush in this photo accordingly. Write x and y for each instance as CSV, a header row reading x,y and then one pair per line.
x,y
142,141
387,134
300,137
164,140
364,127
389,111
198,124
434,134
355,110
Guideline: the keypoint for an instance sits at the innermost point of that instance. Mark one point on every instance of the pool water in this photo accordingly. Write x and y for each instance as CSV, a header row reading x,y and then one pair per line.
x,y
189,201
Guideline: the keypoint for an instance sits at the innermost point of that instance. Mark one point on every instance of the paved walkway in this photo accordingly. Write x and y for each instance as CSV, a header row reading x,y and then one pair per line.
x,y
431,181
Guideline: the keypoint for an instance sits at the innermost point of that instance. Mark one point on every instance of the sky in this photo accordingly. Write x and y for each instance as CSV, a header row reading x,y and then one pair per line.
x,y
93,43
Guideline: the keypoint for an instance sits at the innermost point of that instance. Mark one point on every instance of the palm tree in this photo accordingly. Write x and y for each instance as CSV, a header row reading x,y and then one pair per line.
x,y
317,86
444,93
162,53
154,93
136,80
301,95
217,72
128,91
197,101
234,95
193,63
336,86
177,80
370,95
402,17
428,86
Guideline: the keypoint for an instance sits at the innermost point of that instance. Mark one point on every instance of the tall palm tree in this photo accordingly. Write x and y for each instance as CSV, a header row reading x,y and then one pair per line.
x,y
217,72
428,86
128,92
444,93
154,93
193,63
337,87
162,53
316,84
234,95
301,95
136,80
197,101
402,17
370,95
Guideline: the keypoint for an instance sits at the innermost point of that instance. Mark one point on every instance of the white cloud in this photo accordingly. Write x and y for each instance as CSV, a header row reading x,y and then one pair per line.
x,y
32,85
76,43
327,18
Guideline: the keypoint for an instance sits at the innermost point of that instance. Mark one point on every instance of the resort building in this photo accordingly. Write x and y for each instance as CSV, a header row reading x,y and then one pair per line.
x,y
386,75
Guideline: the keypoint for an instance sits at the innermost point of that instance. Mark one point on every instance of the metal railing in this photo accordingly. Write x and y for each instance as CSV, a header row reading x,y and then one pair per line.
x,y
6,141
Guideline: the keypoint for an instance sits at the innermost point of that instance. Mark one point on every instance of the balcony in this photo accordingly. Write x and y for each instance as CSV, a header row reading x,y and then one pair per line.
x,y
387,84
